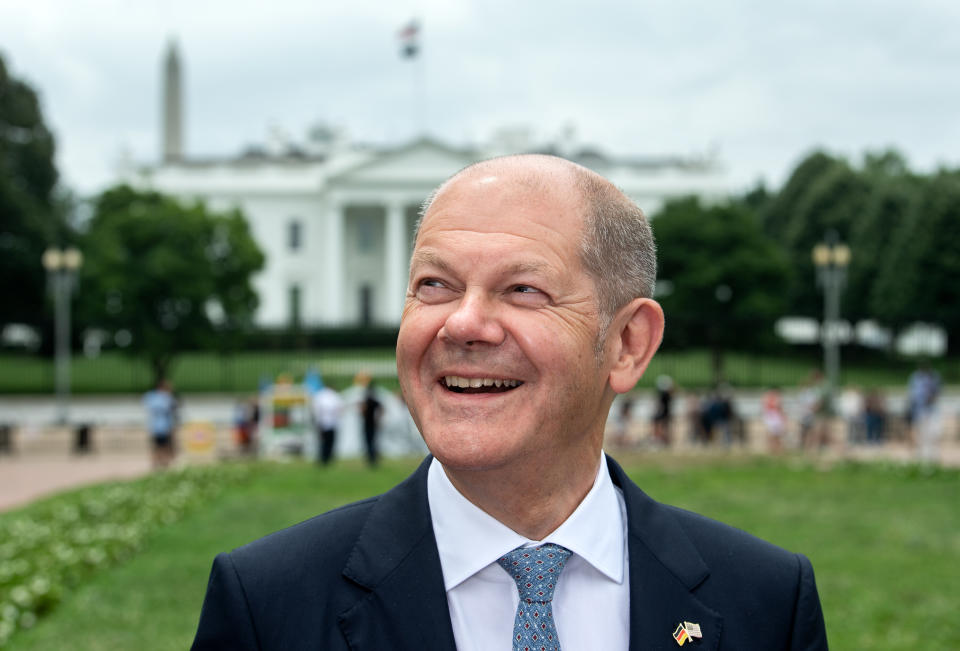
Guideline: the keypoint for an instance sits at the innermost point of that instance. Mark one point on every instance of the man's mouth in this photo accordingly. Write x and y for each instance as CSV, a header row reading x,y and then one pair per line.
x,y
459,384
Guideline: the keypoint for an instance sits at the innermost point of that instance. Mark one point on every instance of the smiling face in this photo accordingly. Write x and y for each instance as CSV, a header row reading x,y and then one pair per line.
x,y
497,347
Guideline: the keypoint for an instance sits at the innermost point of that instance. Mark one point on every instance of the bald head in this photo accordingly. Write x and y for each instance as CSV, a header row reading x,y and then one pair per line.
x,y
534,172
616,245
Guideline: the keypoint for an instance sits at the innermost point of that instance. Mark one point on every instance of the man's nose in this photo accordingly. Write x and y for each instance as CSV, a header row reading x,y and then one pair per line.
x,y
474,320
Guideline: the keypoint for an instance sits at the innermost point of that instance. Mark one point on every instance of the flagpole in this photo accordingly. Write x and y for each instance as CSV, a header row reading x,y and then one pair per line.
x,y
410,49
420,97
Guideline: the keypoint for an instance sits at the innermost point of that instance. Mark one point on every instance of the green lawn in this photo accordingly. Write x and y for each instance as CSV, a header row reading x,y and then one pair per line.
x,y
193,371
242,372
884,541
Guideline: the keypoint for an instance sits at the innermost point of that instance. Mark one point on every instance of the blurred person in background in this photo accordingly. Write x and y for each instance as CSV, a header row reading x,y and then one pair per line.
x,y
695,411
925,417
813,412
851,406
720,415
162,415
663,413
875,417
371,412
624,420
246,421
774,420
326,406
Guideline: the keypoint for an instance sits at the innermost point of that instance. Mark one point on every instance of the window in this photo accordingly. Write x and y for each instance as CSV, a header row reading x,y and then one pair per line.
x,y
366,233
294,234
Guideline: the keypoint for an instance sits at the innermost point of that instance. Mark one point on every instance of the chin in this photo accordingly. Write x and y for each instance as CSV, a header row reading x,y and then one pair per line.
x,y
465,450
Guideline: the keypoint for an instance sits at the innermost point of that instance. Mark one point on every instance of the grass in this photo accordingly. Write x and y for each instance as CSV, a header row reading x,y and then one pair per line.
x,y
195,372
153,601
884,541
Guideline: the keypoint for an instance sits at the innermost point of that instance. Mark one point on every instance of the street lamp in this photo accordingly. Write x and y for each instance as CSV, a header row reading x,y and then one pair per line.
x,y
831,258
62,266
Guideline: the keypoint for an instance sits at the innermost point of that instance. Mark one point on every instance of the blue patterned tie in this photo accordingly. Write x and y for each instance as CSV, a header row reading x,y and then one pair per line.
x,y
536,571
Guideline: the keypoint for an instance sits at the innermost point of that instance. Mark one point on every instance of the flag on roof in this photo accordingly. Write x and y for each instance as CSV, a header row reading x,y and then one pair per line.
x,y
410,39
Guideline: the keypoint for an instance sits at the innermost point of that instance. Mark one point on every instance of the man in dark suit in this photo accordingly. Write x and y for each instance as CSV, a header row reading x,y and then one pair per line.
x,y
529,308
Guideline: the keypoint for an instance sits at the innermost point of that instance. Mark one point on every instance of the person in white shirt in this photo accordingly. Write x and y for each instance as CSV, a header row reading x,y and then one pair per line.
x,y
528,310
327,406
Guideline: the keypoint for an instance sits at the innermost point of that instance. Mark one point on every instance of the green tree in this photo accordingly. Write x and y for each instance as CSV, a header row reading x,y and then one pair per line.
x,y
778,213
727,281
174,277
833,202
893,197
919,279
29,216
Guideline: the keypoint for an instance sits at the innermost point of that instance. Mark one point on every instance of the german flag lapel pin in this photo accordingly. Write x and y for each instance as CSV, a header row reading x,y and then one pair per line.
x,y
687,632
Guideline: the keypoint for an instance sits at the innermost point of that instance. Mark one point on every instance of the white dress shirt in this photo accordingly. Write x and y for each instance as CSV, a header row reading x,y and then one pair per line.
x,y
591,605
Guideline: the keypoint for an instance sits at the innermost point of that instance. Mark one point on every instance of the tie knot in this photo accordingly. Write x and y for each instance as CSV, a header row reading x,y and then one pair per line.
x,y
536,570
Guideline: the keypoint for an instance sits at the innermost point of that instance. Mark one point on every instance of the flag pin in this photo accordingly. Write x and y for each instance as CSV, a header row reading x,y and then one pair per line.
x,y
693,630
680,634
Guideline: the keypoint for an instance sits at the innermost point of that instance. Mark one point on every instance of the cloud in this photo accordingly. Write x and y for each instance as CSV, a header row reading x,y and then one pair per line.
x,y
765,81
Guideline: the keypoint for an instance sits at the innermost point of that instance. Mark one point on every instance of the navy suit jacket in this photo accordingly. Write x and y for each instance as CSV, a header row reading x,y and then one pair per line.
x,y
367,577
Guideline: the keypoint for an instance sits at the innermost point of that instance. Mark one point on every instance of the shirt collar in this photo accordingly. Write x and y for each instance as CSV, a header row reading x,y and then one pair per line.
x,y
469,539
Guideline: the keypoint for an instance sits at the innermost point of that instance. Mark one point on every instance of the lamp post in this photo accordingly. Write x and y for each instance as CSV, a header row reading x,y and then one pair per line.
x,y
831,258
62,266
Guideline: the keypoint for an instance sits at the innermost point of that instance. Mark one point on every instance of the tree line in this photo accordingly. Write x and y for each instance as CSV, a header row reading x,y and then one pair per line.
x,y
732,269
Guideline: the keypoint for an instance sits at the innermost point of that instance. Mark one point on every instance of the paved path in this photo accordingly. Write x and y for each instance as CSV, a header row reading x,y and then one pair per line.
x,y
24,479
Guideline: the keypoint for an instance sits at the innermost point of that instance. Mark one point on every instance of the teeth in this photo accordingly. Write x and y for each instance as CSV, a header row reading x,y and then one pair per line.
x,y
476,383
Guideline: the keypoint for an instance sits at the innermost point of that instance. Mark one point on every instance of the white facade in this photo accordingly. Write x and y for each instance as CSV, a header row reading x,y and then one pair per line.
x,y
337,228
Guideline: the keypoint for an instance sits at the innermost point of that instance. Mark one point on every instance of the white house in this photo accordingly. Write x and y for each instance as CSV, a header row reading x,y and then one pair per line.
x,y
336,220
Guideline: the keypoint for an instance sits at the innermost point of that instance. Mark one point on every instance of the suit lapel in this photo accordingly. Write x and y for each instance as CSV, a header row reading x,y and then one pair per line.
x,y
665,568
396,562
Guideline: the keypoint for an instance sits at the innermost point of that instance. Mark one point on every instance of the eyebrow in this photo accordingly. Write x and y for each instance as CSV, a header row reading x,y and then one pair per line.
x,y
429,258
434,259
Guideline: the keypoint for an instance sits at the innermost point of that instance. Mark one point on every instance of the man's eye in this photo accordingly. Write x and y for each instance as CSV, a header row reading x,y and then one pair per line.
x,y
529,296
432,290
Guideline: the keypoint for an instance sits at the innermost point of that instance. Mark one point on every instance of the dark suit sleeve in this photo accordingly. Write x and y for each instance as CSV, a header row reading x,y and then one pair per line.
x,y
225,621
809,633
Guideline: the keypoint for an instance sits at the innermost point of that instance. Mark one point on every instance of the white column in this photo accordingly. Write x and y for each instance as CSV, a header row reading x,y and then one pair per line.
x,y
396,280
333,269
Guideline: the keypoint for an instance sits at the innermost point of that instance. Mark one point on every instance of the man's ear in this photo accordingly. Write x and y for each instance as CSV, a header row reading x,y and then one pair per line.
x,y
639,331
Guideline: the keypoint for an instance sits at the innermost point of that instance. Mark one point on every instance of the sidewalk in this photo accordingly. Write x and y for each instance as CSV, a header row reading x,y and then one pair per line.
x,y
26,478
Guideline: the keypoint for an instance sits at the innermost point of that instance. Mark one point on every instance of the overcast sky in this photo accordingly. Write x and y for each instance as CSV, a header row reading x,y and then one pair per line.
x,y
761,82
